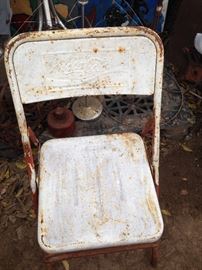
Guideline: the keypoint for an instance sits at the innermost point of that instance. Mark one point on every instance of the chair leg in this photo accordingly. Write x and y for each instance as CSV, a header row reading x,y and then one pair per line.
x,y
154,256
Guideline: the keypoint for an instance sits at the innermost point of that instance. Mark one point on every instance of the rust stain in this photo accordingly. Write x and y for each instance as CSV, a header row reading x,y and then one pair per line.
x,y
53,35
95,50
156,38
44,231
125,233
12,42
50,258
101,222
42,240
148,128
121,49
152,209
33,137
96,223
128,140
98,84
28,157
42,219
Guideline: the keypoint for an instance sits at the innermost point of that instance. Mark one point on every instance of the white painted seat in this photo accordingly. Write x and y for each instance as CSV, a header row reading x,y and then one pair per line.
x,y
95,192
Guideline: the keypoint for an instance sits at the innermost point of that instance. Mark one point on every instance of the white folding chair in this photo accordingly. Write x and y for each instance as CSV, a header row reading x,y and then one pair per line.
x,y
97,194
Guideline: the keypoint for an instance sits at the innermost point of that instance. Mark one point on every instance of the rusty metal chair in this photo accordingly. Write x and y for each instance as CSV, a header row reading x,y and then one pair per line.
x,y
95,194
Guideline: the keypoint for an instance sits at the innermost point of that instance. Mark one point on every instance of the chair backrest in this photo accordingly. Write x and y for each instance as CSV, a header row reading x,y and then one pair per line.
x,y
69,63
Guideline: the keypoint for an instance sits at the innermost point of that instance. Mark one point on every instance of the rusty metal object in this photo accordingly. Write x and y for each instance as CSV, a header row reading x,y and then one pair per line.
x,y
39,89
33,137
28,157
61,122
113,51
50,258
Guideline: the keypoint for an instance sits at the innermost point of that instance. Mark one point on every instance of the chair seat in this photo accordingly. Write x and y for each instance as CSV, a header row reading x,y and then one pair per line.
x,y
96,192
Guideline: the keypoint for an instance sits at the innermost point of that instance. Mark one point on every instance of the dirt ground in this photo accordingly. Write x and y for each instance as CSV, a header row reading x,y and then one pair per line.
x,y
181,245
184,29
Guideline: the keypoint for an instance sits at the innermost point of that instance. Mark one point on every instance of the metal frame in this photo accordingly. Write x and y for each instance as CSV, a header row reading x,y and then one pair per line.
x,y
27,135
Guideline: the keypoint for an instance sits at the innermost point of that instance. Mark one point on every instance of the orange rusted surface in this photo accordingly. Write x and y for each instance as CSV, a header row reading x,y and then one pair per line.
x,y
95,252
95,50
33,137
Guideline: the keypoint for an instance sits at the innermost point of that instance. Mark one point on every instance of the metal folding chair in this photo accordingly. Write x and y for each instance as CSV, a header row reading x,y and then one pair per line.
x,y
94,194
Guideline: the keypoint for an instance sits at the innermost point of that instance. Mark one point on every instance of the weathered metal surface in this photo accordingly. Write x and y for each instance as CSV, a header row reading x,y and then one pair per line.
x,y
77,67
94,252
103,191
64,67
146,46
33,138
94,191
61,122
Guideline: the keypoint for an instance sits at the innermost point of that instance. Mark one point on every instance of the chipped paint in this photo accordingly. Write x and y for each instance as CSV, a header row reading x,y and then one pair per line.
x,y
101,189
121,49
97,87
